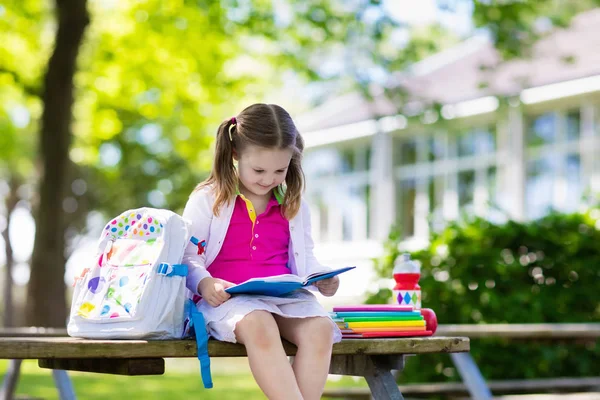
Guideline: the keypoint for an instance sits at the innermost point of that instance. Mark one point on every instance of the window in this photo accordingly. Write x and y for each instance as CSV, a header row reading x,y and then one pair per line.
x,y
320,162
466,188
436,201
541,130
405,152
323,217
454,172
353,205
435,148
477,141
339,188
540,186
346,160
554,174
492,187
573,120
406,196
574,186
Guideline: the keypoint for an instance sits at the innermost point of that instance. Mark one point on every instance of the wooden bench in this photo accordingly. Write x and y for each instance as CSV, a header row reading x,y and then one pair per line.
x,y
457,389
473,381
373,359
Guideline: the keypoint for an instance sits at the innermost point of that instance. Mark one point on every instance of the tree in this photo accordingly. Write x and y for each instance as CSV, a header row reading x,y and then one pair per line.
x,y
47,264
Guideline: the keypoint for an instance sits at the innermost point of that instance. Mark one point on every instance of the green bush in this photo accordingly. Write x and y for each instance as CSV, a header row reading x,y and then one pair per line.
x,y
476,272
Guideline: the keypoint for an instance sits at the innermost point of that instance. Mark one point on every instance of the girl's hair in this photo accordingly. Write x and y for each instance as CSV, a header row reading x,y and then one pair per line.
x,y
264,125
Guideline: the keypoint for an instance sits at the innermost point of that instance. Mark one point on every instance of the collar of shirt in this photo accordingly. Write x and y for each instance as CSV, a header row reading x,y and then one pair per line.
x,y
278,192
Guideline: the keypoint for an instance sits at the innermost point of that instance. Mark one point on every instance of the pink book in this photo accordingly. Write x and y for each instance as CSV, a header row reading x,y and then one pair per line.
x,y
373,307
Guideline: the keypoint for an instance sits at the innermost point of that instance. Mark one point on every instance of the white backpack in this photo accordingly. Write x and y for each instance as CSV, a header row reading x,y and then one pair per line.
x,y
135,285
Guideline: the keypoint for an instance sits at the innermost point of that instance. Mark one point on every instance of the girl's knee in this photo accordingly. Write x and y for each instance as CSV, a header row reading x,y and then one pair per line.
x,y
318,334
257,327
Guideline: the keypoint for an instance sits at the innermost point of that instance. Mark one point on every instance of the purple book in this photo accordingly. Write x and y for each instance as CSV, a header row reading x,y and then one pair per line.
x,y
373,307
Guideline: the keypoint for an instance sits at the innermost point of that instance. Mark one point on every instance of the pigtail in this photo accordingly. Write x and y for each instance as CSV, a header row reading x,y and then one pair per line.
x,y
294,182
223,177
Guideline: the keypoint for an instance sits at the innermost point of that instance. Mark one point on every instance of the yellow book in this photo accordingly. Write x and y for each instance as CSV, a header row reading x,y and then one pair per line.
x,y
382,324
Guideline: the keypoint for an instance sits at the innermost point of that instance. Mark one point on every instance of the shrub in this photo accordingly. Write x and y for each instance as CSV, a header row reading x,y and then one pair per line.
x,y
476,272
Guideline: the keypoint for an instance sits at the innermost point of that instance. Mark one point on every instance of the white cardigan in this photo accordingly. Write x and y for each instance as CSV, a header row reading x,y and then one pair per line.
x,y
205,226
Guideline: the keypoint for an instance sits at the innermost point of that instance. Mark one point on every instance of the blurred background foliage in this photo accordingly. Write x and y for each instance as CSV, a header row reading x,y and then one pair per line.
x,y
476,272
154,79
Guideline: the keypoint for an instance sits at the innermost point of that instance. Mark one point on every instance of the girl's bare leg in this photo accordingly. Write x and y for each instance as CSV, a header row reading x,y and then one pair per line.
x,y
314,338
268,361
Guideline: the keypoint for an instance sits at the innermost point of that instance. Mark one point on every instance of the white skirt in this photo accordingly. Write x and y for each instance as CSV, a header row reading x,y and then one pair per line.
x,y
221,320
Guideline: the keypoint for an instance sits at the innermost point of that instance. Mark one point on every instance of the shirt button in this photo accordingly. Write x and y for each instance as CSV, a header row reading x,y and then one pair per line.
x,y
296,254
291,228
256,235
253,247
257,221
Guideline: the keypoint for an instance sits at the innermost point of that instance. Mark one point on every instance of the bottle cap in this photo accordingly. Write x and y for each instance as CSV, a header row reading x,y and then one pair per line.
x,y
404,264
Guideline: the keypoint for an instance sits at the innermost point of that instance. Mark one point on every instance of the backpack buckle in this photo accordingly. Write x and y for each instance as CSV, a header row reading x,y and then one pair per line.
x,y
172,269
165,269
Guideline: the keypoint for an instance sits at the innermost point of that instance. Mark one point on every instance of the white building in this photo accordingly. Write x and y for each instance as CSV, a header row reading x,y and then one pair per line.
x,y
513,139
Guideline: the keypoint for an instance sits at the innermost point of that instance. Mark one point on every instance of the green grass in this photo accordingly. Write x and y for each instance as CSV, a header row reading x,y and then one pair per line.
x,y
231,377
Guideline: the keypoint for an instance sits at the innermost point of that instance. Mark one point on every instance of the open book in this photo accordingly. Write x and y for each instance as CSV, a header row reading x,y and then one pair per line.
x,y
281,284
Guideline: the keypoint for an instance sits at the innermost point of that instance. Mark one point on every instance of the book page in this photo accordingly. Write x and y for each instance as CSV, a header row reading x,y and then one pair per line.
x,y
277,278
328,273
316,274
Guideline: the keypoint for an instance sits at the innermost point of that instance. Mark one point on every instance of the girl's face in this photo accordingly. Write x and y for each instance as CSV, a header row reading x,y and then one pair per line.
x,y
262,169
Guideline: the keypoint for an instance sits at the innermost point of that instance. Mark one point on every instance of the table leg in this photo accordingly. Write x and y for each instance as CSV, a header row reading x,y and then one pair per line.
x,y
63,384
11,379
471,376
377,370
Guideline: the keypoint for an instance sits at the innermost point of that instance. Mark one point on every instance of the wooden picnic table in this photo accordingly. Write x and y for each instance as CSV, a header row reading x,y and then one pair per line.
x,y
473,381
373,359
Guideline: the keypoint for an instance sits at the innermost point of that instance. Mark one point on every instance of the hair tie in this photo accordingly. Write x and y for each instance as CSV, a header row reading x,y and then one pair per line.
x,y
232,124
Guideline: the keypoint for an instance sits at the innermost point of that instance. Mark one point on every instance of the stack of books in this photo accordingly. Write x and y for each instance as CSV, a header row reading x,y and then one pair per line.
x,y
379,320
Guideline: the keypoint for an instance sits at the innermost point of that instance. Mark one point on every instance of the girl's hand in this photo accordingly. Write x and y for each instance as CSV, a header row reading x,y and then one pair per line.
x,y
328,287
213,290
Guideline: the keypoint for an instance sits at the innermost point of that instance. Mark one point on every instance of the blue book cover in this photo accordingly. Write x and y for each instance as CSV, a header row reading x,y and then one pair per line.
x,y
282,284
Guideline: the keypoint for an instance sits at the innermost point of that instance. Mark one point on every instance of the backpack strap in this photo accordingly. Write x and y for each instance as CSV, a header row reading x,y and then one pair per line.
x,y
199,329
172,269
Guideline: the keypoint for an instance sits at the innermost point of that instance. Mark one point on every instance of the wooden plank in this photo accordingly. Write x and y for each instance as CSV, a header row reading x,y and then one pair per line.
x,y
35,348
426,390
523,331
358,365
32,331
136,366
381,382
376,370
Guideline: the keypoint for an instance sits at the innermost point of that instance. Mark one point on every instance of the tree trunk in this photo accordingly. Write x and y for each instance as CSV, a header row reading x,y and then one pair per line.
x,y
10,203
46,305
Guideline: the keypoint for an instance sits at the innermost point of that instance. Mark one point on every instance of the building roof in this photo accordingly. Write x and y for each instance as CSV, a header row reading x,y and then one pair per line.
x,y
473,69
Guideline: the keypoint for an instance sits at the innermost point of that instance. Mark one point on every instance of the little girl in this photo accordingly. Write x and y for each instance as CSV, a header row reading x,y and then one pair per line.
x,y
255,224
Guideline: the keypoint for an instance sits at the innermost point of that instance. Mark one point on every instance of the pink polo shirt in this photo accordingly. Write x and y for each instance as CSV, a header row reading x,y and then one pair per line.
x,y
254,246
